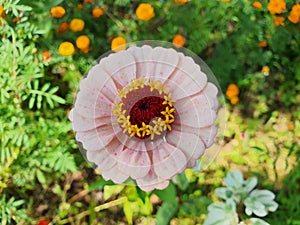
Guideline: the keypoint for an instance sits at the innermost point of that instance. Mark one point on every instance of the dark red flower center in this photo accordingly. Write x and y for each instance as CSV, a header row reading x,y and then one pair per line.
x,y
146,109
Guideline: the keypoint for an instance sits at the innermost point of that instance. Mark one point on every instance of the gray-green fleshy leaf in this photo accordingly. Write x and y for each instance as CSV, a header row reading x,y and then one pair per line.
x,y
221,214
227,194
250,184
254,221
234,179
260,202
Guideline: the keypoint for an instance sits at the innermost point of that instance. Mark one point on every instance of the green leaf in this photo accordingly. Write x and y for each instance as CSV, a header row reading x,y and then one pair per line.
x,y
31,101
39,101
181,181
36,84
53,90
58,99
166,212
221,213
141,194
41,177
18,203
50,102
128,211
45,87
167,195
100,183
110,191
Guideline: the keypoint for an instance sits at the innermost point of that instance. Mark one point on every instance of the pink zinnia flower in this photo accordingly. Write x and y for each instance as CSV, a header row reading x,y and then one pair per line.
x,y
145,113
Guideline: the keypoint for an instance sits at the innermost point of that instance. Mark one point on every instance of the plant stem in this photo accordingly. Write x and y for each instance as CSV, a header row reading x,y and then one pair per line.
x,y
96,209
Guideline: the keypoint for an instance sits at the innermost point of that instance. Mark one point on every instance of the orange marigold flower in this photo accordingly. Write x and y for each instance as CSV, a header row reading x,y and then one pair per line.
x,y
66,48
97,12
265,70
178,40
276,6
145,12
77,25
46,54
118,44
294,16
85,50
57,12
17,19
278,21
257,5
180,1
263,44
290,126
62,27
83,42
232,90
234,100
88,1
2,13
227,0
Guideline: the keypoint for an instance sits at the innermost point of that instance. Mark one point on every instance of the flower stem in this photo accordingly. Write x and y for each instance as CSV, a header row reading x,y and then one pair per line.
x,y
96,209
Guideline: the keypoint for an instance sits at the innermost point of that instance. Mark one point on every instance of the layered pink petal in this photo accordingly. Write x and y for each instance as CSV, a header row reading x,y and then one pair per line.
x,y
97,138
165,63
134,163
168,160
98,80
81,123
196,111
211,91
92,104
206,134
121,66
189,143
143,58
187,79
151,181
114,174
101,158
106,157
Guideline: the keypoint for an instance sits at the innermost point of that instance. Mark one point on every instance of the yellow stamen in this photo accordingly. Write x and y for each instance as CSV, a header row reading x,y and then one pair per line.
x,y
168,100
160,125
134,85
168,112
142,81
151,84
135,131
144,129
152,131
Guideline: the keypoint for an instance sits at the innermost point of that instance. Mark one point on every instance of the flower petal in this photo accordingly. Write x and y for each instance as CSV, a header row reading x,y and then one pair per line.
x,y
189,143
121,66
165,62
187,79
196,111
106,157
211,91
92,104
143,58
100,80
168,160
114,174
80,123
151,181
97,138
134,163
